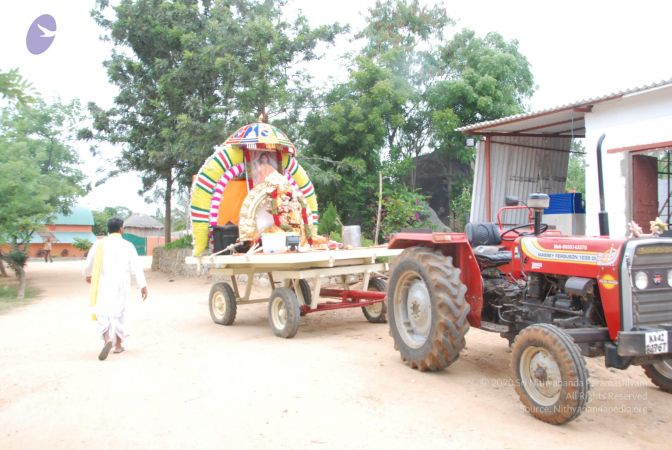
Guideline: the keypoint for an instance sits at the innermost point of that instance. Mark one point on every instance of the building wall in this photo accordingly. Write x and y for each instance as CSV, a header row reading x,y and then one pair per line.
x,y
56,250
639,119
519,166
153,242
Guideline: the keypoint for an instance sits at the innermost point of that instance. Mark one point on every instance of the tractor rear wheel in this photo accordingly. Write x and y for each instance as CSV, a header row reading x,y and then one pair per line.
x,y
550,374
427,309
660,373
376,313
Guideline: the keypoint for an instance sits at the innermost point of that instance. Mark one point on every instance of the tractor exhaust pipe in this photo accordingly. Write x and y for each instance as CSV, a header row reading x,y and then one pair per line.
x,y
603,217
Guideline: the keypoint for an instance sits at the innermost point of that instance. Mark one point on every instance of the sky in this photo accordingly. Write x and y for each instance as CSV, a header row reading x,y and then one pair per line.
x,y
576,50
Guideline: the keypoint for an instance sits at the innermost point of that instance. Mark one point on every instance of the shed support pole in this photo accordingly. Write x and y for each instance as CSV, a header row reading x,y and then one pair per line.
x,y
488,194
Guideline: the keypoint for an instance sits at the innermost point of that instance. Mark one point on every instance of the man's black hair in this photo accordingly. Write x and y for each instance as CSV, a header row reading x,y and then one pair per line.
x,y
114,225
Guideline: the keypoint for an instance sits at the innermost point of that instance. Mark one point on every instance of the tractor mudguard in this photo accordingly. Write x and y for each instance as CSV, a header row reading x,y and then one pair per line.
x,y
457,246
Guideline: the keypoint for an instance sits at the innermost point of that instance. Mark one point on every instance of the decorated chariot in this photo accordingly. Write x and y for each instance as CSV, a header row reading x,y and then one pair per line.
x,y
254,210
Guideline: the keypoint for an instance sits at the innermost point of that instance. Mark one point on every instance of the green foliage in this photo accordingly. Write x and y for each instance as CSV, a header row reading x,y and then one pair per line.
x,y
100,218
9,294
407,91
461,208
329,221
576,170
185,241
14,87
82,244
191,72
404,209
16,257
38,172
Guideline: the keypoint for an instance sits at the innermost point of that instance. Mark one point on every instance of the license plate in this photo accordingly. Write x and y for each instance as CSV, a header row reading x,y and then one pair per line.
x,y
656,342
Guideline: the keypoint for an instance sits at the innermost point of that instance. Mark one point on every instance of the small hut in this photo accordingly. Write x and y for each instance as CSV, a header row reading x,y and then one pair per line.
x,y
144,232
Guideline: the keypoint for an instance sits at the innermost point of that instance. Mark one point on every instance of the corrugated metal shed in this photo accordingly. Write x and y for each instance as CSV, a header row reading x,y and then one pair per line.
x,y
519,166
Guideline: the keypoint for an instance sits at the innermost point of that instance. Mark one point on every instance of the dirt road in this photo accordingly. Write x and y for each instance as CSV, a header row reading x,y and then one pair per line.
x,y
185,382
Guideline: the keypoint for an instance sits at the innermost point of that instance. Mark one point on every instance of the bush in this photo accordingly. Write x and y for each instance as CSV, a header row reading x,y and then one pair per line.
x,y
82,244
405,209
461,207
183,242
329,221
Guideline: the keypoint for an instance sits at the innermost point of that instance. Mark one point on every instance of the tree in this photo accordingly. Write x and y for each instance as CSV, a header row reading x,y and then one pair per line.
x,y
408,89
576,170
187,72
100,218
38,173
14,87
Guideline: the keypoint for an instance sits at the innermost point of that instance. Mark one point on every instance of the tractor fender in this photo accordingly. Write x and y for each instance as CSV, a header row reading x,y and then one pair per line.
x,y
457,246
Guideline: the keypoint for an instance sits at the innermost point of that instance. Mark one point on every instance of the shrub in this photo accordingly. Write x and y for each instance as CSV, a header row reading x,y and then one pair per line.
x,y
183,242
405,209
82,244
329,221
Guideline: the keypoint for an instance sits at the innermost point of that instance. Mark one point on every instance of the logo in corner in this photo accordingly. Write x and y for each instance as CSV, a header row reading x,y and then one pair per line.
x,y
608,281
41,34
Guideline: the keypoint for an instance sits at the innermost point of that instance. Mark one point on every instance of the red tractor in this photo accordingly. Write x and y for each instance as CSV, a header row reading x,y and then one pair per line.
x,y
555,298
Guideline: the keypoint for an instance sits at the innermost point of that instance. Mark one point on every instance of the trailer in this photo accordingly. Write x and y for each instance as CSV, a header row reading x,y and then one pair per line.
x,y
300,277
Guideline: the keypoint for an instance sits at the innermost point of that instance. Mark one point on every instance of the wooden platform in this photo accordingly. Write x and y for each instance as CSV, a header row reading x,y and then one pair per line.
x,y
285,261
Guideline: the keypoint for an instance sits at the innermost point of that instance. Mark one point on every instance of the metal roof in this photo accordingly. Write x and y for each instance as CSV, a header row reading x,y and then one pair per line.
x,y
142,221
64,237
566,120
78,216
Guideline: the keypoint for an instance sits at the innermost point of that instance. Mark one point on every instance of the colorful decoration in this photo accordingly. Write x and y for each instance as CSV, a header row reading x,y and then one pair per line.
x,y
261,136
228,162
286,204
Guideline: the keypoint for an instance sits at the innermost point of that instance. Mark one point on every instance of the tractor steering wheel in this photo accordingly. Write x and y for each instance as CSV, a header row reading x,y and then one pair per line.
x,y
504,236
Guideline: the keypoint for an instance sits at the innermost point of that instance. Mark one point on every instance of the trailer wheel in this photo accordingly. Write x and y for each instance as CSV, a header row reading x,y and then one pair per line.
x,y
305,291
550,374
222,304
284,312
660,373
427,310
376,313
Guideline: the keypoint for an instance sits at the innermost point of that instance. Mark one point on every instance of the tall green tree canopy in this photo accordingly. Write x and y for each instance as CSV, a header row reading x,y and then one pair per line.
x,y
39,174
191,72
408,89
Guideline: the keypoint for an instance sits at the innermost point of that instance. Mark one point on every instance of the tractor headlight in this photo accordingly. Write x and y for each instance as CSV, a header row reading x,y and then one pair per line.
x,y
642,280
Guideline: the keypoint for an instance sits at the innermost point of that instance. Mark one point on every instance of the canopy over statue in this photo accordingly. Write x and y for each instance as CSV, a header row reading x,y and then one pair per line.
x,y
244,161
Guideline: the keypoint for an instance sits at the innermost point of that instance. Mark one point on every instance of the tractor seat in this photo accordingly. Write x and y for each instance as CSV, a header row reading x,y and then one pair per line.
x,y
482,234
492,255
485,241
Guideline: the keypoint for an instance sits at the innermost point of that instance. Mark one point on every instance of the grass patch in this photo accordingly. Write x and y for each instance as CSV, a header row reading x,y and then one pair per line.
x,y
8,289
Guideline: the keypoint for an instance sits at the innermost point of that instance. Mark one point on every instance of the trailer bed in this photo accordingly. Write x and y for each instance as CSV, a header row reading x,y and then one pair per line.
x,y
297,297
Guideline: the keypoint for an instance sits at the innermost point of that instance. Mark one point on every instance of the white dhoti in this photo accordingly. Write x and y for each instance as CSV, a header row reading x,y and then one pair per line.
x,y
119,261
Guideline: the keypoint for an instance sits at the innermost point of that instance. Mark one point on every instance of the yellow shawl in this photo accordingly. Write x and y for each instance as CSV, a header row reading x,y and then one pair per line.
x,y
96,271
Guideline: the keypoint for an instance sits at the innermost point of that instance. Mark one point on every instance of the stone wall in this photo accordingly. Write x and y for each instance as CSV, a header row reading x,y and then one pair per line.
x,y
172,262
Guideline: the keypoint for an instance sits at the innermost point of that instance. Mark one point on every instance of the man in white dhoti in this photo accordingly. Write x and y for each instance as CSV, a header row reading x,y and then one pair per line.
x,y
109,266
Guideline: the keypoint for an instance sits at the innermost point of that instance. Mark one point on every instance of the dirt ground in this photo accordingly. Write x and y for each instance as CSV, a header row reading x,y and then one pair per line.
x,y
185,382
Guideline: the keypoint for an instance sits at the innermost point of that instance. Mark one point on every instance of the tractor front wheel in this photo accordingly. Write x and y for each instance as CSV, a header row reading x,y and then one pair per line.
x,y
427,310
660,373
550,374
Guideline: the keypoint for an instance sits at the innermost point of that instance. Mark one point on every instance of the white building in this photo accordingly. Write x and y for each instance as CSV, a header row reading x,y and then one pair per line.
x,y
529,153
